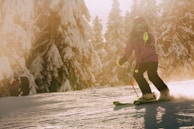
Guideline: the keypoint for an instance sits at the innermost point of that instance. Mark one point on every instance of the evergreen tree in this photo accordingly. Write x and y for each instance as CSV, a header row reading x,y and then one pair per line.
x,y
45,59
47,41
128,24
78,53
115,43
98,36
15,34
175,36
99,46
62,50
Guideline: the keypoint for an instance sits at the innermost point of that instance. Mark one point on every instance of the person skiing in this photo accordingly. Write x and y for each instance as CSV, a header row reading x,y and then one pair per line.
x,y
143,44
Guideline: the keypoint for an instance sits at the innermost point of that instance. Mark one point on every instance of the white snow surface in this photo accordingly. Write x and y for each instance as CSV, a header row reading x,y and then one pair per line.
x,y
93,109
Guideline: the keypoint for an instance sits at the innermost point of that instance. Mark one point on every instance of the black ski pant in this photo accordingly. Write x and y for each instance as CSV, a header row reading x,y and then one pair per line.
x,y
151,68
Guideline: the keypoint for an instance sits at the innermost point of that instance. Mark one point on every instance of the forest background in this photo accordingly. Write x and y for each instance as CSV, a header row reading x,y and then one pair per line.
x,y
53,44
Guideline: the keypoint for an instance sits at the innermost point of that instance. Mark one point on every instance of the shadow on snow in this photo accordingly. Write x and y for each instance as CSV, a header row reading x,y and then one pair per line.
x,y
168,115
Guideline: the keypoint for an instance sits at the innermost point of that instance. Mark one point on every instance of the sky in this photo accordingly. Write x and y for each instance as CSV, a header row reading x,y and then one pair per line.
x,y
102,8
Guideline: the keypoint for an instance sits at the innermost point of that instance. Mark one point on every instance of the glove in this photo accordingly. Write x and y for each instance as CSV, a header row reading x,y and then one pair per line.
x,y
118,64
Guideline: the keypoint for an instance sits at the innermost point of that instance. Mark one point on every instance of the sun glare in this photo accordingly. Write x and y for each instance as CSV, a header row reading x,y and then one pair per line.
x,y
182,90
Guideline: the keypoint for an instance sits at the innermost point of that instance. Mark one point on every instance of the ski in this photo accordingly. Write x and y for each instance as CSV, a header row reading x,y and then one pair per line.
x,y
136,102
118,103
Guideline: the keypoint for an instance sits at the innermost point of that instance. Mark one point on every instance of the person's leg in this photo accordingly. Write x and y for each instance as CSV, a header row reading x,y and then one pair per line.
x,y
154,77
25,86
142,83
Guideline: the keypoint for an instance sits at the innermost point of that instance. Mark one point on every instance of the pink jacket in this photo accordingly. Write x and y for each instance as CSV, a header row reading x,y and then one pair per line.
x,y
144,51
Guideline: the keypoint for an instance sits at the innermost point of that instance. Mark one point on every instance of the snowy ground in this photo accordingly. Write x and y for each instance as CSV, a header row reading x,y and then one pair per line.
x,y
93,109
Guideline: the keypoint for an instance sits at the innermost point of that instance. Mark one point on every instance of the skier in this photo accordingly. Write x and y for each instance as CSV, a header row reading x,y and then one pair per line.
x,y
142,43
14,87
20,86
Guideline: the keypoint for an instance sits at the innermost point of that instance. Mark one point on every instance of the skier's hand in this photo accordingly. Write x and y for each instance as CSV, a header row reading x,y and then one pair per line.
x,y
118,64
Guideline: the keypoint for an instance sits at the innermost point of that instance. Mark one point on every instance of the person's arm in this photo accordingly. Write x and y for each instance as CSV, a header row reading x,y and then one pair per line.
x,y
151,41
127,54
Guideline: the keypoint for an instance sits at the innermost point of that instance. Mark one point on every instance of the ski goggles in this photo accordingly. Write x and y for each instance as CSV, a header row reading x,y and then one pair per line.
x,y
139,26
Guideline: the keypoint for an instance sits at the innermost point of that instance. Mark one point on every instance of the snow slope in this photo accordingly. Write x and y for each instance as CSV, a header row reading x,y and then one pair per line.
x,y
93,109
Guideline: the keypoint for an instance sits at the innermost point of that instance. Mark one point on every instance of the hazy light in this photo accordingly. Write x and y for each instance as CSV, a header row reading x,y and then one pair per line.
x,y
102,8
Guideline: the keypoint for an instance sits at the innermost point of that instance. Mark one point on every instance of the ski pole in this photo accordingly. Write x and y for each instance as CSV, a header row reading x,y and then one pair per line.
x,y
131,82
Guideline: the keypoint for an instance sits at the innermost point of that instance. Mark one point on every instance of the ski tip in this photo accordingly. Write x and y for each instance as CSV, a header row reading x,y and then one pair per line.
x,y
136,103
116,102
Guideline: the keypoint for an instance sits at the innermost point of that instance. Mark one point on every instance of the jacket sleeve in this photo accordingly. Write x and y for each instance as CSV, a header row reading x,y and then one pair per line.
x,y
128,52
151,43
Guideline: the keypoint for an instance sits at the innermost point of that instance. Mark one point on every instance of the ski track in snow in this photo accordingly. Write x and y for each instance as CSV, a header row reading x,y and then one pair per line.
x,y
93,109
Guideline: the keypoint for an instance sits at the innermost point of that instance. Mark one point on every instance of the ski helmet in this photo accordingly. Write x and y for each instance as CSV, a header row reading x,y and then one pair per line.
x,y
140,23
139,20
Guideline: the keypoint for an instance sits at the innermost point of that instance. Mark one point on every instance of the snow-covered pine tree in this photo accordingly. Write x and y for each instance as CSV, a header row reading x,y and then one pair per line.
x,y
66,58
115,44
98,35
15,35
45,59
128,24
79,56
175,37
99,46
